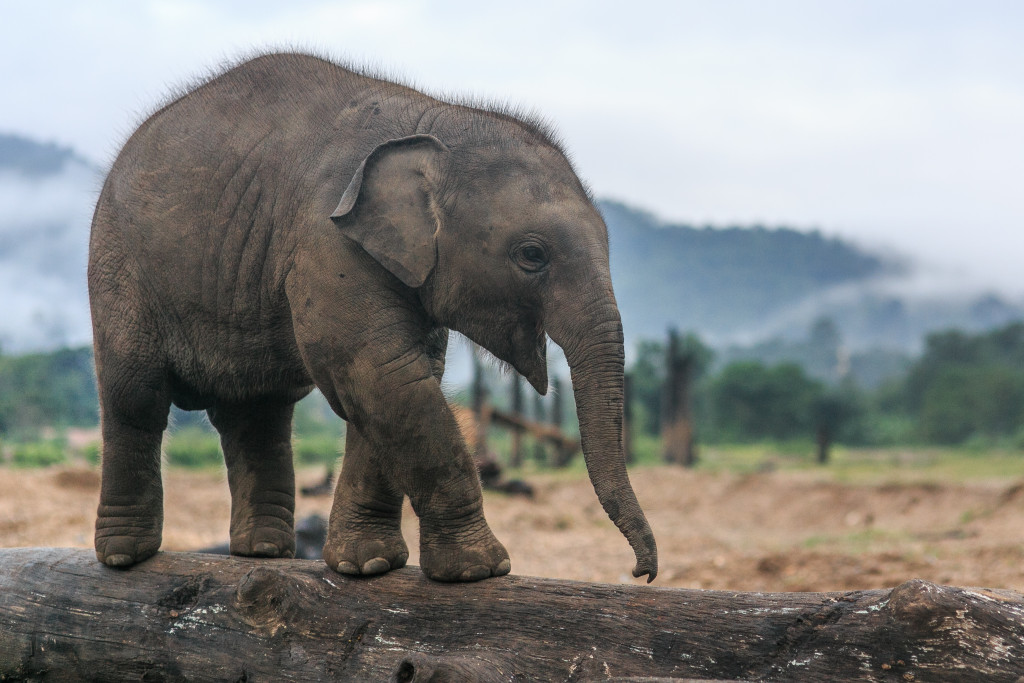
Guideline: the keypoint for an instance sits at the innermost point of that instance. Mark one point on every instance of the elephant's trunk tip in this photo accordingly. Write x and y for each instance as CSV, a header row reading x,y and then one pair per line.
x,y
646,556
650,571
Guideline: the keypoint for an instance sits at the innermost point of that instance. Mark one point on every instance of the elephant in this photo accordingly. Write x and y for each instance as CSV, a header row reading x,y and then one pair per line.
x,y
292,224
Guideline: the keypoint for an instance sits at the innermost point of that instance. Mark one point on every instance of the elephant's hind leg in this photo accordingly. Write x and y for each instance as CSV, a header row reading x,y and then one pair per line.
x,y
365,532
134,408
256,438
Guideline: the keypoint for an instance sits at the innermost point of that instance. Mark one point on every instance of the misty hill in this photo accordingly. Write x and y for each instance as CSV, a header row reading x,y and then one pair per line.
x,y
733,285
739,286
722,282
35,159
46,198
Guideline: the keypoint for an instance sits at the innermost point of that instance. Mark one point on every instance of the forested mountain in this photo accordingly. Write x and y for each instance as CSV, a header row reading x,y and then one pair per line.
x,y
722,282
745,285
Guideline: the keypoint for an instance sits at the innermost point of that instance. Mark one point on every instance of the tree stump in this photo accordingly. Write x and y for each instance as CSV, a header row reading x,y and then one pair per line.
x,y
185,616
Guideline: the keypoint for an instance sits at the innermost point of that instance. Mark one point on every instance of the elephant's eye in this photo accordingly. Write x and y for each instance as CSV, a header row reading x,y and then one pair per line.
x,y
531,257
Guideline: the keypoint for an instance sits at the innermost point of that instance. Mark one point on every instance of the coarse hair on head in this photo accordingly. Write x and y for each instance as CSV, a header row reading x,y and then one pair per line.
x,y
501,112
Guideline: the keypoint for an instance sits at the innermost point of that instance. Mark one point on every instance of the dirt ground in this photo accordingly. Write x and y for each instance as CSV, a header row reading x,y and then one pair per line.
x,y
773,531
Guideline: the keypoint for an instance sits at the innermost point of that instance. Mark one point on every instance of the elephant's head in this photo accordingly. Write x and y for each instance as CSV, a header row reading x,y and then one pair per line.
x,y
503,244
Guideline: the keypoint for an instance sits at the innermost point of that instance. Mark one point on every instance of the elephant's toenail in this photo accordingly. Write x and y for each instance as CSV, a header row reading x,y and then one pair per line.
x,y
377,565
119,560
475,573
504,567
346,567
266,550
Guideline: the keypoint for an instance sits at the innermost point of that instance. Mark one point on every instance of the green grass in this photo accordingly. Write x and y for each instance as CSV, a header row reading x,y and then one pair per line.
x,y
863,540
925,464
196,447
865,465
846,465
193,447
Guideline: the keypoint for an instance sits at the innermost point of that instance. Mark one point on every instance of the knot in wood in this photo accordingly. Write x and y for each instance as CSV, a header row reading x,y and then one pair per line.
x,y
267,599
918,602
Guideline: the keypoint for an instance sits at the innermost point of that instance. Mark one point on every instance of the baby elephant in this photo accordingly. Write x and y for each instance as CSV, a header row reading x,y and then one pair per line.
x,y
291,224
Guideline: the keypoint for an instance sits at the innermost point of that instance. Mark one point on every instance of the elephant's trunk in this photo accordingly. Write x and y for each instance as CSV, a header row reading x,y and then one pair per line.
x,y
592,340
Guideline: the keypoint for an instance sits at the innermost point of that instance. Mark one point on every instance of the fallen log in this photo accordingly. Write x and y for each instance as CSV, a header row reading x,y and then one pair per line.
x,y
186,616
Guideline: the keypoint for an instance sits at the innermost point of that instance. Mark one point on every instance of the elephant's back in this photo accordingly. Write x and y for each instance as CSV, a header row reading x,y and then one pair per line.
x,y
296,123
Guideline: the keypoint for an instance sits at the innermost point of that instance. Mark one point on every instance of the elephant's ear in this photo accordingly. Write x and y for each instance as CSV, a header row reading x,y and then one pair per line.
x,y
390,206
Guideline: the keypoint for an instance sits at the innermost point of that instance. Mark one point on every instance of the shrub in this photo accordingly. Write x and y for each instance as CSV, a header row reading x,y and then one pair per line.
x,y
316,450
38,454
91,453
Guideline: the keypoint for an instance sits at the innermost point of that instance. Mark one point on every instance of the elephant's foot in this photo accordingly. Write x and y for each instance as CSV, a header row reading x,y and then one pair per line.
x,y
367,544
355,553
468,552
127,534
267,531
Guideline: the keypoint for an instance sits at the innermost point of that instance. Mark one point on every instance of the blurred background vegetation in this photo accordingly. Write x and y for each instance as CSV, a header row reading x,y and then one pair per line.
x,y
49,414
964,390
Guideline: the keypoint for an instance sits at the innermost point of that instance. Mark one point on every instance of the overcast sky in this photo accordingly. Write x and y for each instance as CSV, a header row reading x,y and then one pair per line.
x,y
890,122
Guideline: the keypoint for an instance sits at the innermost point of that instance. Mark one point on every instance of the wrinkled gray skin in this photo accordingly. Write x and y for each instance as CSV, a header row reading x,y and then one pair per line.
x,y
292,224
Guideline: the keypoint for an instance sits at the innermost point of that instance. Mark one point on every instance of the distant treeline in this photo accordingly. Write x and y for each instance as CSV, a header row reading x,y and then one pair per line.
x,y
56,389
721,279
964,388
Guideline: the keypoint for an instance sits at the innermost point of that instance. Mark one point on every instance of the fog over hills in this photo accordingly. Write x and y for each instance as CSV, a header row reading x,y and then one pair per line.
x,y
742,285
731,285
46,199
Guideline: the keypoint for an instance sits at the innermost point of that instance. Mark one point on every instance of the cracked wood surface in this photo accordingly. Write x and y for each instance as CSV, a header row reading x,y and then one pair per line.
x,y
184,616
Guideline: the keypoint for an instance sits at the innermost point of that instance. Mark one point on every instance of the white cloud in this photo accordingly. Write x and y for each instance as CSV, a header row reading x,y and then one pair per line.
x,y
886,122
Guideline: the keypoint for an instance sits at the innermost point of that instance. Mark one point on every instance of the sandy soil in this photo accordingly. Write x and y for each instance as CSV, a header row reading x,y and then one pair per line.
x,y
777,531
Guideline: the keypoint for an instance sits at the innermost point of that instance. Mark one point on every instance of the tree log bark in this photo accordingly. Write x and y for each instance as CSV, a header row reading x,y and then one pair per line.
x,y
185,616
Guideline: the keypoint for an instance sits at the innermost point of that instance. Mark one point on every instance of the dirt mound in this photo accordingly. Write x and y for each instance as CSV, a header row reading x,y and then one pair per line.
x,y
84,479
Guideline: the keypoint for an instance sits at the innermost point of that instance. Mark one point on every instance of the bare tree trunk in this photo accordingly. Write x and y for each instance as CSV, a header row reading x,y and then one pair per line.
x,y
540,453
677,419
516,457
481,410
183,616
824,441
563,455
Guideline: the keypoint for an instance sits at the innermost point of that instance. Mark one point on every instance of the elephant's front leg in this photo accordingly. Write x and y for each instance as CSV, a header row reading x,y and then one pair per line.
x,y
442,482
402,413
456,544
365,532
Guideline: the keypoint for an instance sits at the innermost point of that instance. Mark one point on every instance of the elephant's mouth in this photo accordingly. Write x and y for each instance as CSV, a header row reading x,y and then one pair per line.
x,y
530,355
521,344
